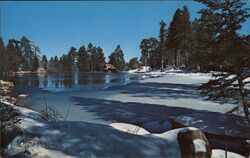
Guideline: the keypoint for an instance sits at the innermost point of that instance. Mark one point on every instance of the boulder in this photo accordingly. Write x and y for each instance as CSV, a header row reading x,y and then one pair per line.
x,y
6,87
194,144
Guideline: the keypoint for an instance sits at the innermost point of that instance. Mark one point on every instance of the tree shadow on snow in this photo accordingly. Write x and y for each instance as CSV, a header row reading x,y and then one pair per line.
x,y
129,112
160,90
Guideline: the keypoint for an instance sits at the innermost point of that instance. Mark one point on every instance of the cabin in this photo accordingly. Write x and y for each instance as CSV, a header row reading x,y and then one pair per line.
x,y
110,68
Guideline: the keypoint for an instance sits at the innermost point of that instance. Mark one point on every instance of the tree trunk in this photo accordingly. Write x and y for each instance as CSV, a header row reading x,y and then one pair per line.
x,y
244,99
175,58
185,58
178,58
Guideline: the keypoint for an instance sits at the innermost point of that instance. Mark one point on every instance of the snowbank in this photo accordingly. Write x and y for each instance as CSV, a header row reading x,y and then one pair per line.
x,y
129,128
80,139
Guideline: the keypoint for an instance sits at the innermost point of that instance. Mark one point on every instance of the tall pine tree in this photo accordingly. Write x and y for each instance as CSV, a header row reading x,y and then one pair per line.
x,y
83,59
44,62
117,58
231,56
174,30
162,48
90,52
10,58
100,59
149,52
179,36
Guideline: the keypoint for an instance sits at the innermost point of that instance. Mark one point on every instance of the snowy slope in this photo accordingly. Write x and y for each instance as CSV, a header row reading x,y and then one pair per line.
x,y
81,139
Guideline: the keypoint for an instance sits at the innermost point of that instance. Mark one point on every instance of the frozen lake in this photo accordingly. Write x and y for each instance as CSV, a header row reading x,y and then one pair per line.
x,y
113,97
59,89
75,81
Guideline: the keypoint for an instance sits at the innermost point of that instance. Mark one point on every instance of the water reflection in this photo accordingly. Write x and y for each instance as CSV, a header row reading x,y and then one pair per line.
x,y
75,80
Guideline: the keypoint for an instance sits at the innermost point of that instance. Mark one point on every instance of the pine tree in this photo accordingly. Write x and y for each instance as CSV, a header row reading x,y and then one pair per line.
x,y
28,52
185,35
149,52
66,62
51,65
204,32
180,36
83,59
133,63
162,48
100,59
94,58
57,65
34,63
90,51
44,62
117,59
231,55
71,57
10,58
174,31
144,52
18,47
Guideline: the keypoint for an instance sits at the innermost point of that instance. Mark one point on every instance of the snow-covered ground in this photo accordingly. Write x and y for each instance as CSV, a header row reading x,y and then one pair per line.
x,y
152,103
40,138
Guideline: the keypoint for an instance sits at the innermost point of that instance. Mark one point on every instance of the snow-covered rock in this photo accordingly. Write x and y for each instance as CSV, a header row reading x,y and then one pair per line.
x,y
193,143
218,153
199,145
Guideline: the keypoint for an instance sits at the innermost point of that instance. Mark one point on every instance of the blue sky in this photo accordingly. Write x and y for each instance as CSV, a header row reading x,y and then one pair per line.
x,y
56,26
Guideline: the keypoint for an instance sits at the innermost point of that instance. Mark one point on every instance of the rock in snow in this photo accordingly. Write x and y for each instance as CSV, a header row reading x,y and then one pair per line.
x,y
193,143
